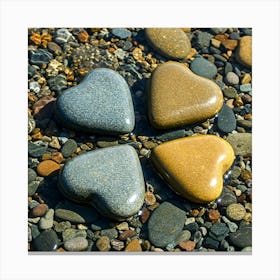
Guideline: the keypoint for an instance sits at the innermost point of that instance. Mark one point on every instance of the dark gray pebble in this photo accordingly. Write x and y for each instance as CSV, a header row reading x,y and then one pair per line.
x,y
203,67
226,119
35,150
192,227
219,231
46,241
228,68
111,233
40,56
31,175
171,135
211,243
31,71
58,83
218,30
69,148
220,57
32,187
226,198
242,238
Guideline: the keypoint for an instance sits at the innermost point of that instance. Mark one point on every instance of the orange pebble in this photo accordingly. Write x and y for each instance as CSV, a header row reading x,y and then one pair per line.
x,y
47,167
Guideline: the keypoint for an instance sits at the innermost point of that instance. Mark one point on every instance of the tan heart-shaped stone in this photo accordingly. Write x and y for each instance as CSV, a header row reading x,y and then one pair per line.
x,y
177,96
194,166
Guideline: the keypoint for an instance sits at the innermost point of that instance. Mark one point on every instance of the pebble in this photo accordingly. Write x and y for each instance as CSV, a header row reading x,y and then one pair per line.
x,y
228,68
122,226
31,175
231,225
103,244
203,67
226,119
39,210
32,187
76,244
35,87
36,150
71,233
170,42
218,30
185,159
236,212
69,148
244,51
46,241
106,142
165,224
44,107
242,238
171,135
46,222
100,103
54,48
246,79
227,198
211,243
58,83
245,88
31,124
187,245
31,71
231,78
127,234
105,165
203,39
150,198
185,235
214,215
62,36
219,231
55,143
34,231
133,246
121,33
111,233
40,56
68,215
62,226
47,168
230,44
247,249
174,83
241,143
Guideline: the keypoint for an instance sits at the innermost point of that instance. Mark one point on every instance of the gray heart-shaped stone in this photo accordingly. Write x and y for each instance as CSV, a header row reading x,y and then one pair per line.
x,y
101,103
109,179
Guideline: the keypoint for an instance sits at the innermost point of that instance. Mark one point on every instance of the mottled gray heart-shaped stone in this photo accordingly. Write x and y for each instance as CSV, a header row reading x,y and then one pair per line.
x,y
109,179
101,103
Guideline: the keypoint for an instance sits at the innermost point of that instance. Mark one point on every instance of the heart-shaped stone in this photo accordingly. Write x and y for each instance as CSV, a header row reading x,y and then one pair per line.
x,y
109,179
101,103
178,97
194,166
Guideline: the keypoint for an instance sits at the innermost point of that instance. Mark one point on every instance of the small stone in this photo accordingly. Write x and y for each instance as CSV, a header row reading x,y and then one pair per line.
x,y
121,33
107,142
71,233
219,231
246,79
214,215
31,175
83,36
187,156
39,210
137,54
242,238
185,235
47,168
170,42
187,245
68,215
171,135
230,44
46,222
34,231
57,157
46,241
226,119
150,198
235,212
69,148
203,39
218,30
246,87
228,68
232,78
111,233
203,67
103,244
230,92
133,246
247,249
117,244
244,51
165,224
31,124
35,150
55,143
216,43
150,145
100,103
241,143
62,226
122,226
32,187
174,83
145,215
62,36
40,56
211,243
54,48
76,244
127,234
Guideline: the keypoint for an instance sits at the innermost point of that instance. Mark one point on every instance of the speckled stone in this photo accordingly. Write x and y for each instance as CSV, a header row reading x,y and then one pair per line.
x,y
236,212
241,143
100,103
76,244
170,42
203,67
165,224
194,166
69,148
178,97
244,51
226,119
109,179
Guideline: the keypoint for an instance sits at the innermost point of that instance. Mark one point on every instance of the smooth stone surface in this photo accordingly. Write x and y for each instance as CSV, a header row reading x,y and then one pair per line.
x,y
100,103
46,222
71,233
226,119
76,244
46,241
170,42
121,33
244,51
232,78
47,168
109,179
39,210
69,148
68,215
178,97
236,212
242,238
230,92
203,67
103,244
165,224
241,143
194,166
133,246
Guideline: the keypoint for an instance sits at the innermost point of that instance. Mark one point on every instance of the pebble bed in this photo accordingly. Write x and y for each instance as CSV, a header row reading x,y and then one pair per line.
x,y
158,219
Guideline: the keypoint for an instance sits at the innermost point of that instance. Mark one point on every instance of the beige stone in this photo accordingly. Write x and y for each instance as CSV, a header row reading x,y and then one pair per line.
x,y
133,246
177,97
244,51
194,166
170,42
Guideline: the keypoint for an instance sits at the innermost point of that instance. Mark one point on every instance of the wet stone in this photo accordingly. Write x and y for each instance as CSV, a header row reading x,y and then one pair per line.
x,y
165,224
40,56
69,148
71,233
121,33
103,244
211,243
171,135
230,92
68,215
35,150
111,233
226,198
242,238
226,119
46,241
244,51
203,67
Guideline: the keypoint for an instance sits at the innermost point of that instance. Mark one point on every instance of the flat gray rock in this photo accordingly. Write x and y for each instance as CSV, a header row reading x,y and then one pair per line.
x,y
203,67
241,143
101,103
109,179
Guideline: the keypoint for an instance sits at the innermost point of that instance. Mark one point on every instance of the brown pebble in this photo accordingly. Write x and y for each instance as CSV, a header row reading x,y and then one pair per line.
x,y
127,234
238,101
41,103
83,36
214,215
103,244
149,144
39,210
35,38
47,167
187,245
57,157
150,198
133,246
245,175
145,215
194,212
60,250
46,156
230,44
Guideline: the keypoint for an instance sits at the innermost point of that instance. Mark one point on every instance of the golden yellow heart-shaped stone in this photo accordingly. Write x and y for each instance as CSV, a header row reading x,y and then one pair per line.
x,y
194,166
177,96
